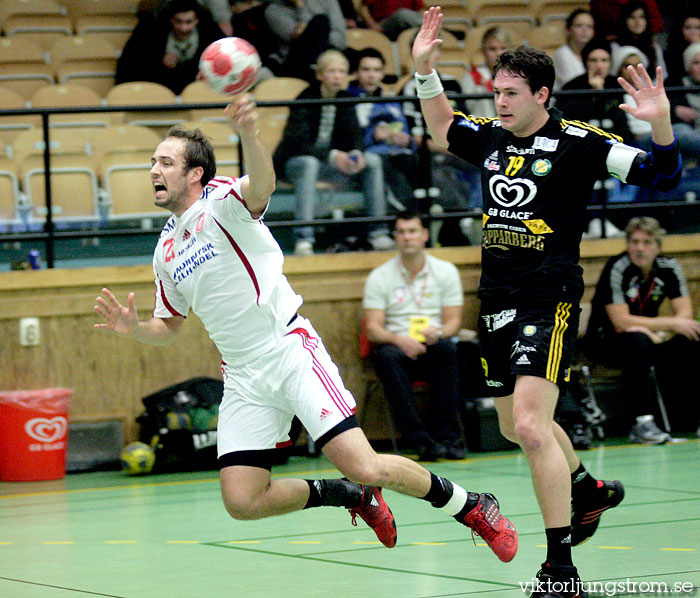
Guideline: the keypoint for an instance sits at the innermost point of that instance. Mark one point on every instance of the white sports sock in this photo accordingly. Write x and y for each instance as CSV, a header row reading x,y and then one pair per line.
x,y
457,502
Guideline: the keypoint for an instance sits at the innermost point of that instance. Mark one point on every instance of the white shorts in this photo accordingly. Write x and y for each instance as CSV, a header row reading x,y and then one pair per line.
x,y
297,378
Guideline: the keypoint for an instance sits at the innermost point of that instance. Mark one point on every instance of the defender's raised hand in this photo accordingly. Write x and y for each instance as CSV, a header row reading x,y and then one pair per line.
x,y
427,43
652,101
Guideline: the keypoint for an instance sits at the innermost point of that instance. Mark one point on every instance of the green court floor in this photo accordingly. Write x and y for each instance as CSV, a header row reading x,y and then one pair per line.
x,y
168,536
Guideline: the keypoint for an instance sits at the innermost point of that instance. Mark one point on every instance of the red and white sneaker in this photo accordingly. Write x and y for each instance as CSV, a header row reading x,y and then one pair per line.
x,y
376,513
499,533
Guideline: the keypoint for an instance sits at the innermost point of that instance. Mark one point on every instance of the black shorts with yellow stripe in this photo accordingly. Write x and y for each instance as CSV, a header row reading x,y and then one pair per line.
x,y
526,341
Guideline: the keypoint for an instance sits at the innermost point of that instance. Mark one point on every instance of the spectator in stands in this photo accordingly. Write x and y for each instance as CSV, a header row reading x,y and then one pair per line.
x,y
352,18
684,31
391,17
324,142
413,309
385,130
479,79
221,13
166,49
568,62
626,331
218,9
248,22
607,14
634,29
301,30
601,111
685,108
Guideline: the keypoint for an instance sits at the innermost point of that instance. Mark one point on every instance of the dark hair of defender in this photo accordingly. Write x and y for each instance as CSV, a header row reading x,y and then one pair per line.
x,y
533,65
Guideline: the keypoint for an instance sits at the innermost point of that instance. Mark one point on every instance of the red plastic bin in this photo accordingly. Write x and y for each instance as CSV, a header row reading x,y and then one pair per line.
x,y
33,434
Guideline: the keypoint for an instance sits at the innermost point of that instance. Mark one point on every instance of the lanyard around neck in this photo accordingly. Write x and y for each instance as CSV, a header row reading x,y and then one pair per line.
x,y
417,300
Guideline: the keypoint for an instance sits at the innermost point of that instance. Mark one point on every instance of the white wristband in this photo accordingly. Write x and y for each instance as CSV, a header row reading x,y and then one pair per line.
x,y
428,86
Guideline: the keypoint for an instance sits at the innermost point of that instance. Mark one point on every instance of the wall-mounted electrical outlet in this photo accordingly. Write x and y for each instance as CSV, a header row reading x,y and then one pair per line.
x,y
29,332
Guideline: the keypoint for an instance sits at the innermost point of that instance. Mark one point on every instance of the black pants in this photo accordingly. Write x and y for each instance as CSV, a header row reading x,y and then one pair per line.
x,y
305,49
401,174
438,367
677,366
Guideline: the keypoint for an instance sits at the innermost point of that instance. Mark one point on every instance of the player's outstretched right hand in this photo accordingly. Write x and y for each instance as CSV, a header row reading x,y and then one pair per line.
x,y
118,319
427,43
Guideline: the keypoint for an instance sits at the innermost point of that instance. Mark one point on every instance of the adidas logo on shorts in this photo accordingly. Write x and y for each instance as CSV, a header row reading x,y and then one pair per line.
x,y
523,360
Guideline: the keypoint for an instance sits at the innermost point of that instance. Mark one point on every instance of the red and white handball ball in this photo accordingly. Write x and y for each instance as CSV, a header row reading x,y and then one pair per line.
x,y
230,65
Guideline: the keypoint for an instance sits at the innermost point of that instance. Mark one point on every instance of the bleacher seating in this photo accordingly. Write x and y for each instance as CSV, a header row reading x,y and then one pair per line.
x,y
278,88
548,37
127,186
122,156
198,92
74,188
555,10
11,126
90,62
23,66
42,21
10,206
49,47
146,93
75,96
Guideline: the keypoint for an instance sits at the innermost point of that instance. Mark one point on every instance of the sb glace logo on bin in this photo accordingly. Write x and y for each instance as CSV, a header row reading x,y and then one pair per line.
x,y
50,432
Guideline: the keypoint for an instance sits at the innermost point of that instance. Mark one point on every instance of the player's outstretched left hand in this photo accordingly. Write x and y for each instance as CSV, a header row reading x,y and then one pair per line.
x,y
652,101
243,115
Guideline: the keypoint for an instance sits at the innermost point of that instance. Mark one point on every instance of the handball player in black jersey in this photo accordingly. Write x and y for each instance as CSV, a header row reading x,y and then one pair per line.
x,y
538,172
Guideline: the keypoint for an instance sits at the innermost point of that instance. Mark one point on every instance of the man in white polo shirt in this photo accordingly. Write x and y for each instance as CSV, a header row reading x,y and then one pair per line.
x,y
413,308
216,256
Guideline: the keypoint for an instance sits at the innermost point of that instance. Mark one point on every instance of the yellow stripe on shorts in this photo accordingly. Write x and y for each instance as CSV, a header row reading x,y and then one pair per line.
x,y
556,345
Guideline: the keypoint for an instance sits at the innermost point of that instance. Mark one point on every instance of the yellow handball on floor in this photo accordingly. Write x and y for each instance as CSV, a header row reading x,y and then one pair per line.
x,y
138,458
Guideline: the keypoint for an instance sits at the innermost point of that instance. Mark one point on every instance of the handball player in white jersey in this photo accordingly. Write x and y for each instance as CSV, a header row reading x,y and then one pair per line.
x,y
216,256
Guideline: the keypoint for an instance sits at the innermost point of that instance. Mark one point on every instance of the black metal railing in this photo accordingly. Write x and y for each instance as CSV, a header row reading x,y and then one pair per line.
x,y
49,235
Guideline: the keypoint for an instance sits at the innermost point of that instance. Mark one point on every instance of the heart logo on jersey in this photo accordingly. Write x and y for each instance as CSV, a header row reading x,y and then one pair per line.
x,y
511,192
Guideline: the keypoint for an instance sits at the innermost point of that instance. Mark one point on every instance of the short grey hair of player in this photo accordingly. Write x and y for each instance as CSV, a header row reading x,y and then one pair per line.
x,y
647,225
689,53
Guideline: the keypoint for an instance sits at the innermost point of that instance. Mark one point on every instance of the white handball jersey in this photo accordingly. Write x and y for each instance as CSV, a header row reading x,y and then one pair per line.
x,y
224,264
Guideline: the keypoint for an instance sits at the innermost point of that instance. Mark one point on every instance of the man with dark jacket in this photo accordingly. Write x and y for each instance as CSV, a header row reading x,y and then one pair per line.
x,y
166,49
325,142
